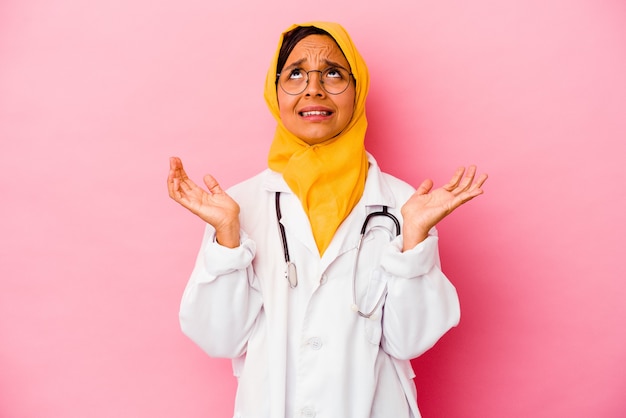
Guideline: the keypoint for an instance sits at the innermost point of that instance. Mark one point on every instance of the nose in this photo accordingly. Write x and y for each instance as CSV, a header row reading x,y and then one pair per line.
x,y
314,87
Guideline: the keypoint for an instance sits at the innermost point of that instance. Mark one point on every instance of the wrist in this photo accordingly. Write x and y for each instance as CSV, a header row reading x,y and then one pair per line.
x,y
228,235
410,238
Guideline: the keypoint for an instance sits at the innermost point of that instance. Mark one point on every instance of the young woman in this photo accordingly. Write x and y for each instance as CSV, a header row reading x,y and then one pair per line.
x,y
320,276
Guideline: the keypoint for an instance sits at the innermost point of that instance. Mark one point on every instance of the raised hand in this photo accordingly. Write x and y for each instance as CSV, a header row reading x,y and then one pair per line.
x,y
213,206
427,207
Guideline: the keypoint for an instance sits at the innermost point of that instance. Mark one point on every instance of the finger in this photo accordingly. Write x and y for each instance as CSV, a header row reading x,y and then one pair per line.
x,y
212,184
425,187
175,190
172,179
466,196
172,171
186,184
171,188
466,183
479,183
179,183
175,163
454,181
176,168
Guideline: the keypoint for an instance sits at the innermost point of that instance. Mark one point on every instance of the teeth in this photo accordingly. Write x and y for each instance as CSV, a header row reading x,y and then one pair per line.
x,y
315,113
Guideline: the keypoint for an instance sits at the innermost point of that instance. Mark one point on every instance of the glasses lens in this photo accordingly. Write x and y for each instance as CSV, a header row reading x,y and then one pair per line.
x,y
333,80
293,81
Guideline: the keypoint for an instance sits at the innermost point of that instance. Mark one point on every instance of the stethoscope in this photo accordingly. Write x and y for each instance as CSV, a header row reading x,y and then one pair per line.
x,y
292,275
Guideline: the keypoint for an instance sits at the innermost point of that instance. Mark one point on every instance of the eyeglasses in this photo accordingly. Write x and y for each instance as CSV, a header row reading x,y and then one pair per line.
x,y
334,80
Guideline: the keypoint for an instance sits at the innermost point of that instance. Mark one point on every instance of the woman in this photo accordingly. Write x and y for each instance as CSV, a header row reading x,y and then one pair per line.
x,y
336,337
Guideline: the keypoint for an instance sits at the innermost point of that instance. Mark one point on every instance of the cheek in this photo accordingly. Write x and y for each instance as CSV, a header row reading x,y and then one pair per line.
x,y
347,108
284,104
285,116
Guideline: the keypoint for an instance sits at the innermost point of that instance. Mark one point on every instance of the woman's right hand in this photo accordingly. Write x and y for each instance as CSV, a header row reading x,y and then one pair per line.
x,y
215,207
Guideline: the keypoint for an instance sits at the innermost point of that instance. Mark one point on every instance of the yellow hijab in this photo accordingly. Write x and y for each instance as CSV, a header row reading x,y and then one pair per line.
x,y
328,178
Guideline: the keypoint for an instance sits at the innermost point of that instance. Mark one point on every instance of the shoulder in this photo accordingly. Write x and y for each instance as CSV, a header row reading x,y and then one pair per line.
x,y
398,188
396,184
250,185
254,199
258,191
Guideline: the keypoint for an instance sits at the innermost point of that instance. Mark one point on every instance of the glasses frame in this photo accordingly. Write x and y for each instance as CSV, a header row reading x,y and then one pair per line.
x,y
350,75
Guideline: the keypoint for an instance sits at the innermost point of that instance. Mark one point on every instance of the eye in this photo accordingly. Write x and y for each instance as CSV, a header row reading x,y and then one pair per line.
x,y
296,74
334,73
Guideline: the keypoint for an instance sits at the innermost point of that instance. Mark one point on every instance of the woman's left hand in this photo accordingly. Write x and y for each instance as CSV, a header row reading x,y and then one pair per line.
x,y
427,207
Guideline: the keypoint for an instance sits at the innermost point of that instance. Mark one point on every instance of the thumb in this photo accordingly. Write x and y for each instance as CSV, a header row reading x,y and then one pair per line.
x,y
212,184
425,187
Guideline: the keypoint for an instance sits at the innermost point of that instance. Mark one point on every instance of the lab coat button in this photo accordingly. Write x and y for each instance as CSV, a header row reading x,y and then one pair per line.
x,y
315,343
308,412
324,278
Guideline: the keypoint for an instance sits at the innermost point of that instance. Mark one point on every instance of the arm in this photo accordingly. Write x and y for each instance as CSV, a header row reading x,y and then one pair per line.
x,y
220,304
421,303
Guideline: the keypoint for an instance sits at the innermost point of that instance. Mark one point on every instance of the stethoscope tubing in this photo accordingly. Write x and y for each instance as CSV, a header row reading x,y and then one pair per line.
x,y
291,274
355,306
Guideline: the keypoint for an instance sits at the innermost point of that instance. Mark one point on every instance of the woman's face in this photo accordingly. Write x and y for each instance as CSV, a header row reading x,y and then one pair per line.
x,y
314,115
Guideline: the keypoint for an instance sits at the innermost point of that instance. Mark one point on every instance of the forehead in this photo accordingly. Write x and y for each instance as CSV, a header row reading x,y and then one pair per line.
x,y
315,49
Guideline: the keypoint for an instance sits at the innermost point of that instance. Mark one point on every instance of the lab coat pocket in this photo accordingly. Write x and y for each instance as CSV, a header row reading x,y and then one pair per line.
x,y
376,293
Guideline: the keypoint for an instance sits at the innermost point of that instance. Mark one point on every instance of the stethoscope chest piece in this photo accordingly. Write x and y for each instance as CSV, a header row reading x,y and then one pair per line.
x,y
290,268
292,275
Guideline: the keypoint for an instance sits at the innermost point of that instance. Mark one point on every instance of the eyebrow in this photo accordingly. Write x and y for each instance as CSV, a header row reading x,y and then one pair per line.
x,y
298,63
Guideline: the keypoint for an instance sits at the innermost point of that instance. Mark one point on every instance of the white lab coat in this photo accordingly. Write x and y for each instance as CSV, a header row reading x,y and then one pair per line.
x,y
303,352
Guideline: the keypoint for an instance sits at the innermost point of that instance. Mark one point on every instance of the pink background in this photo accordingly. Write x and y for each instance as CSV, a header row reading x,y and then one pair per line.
x,y
96,95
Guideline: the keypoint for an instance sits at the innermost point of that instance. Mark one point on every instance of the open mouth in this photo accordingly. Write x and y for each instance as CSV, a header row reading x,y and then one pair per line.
x,y
316,113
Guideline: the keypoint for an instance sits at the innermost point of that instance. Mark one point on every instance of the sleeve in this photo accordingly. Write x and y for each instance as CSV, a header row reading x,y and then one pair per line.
x,y
221,301
421,303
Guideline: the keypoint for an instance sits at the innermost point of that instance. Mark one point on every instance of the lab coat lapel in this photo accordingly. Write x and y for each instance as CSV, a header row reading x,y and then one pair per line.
x,y
345,238
375,195
294,218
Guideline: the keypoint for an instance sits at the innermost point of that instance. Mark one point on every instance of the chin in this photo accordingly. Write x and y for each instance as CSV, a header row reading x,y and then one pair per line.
x,y
317,139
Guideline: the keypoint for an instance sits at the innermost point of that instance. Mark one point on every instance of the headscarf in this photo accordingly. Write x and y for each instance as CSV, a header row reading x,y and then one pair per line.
x,y
328,178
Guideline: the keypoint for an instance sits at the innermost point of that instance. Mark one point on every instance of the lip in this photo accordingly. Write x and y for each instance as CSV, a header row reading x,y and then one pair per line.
x,y
315,113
